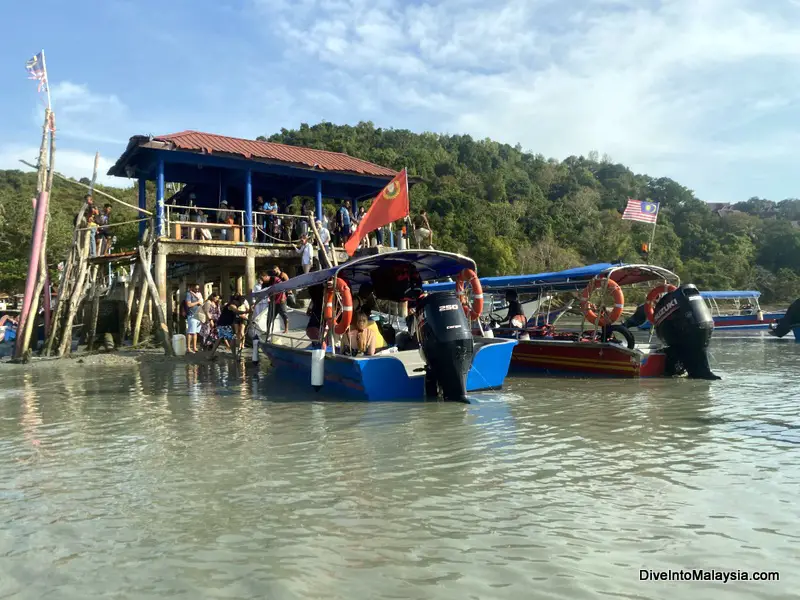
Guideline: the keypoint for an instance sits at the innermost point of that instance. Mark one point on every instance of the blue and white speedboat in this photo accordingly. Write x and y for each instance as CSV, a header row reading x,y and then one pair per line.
x,y
429,352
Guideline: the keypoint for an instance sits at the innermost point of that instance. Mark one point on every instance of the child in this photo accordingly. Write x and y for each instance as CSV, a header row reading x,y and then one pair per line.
x,y
92,227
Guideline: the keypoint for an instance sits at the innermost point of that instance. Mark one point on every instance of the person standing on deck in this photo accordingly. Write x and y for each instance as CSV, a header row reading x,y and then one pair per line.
x,y
306,252
194,300
422,230
270,221
343,222
324,237
222,217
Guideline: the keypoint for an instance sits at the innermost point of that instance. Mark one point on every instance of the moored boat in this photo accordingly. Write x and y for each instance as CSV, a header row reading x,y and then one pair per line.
x,y
681,321
743,312
434,355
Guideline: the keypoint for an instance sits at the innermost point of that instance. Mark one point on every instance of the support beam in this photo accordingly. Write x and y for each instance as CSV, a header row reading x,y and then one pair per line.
x,y
239,284
355,206
319,199
250,271
160,223
248,206
142,205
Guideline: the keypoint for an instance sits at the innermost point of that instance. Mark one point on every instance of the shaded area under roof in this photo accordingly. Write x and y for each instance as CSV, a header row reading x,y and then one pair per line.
x,y
430,264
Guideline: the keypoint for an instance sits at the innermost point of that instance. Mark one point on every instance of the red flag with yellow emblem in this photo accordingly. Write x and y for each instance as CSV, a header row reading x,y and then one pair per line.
x,y
389,206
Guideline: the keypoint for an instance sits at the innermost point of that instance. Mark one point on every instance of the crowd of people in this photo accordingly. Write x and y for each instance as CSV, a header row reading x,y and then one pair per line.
x,y
284,224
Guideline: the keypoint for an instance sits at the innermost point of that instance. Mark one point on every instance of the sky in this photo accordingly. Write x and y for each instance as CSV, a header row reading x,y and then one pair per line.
x,y
703,91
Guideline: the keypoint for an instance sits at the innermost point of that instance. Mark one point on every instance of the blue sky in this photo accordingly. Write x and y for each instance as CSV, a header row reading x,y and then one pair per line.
x,y
703,91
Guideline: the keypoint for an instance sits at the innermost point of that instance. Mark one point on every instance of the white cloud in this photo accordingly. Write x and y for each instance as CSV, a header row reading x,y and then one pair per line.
x,y
69,162
670,87
85,115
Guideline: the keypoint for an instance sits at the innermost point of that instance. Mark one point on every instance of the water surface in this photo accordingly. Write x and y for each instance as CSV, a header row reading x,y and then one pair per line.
x,y
187,481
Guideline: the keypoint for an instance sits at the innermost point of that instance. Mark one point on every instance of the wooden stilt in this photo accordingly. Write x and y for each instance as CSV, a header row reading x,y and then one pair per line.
x,y
140,311
30,325
93,315
75,297
129,298
144,257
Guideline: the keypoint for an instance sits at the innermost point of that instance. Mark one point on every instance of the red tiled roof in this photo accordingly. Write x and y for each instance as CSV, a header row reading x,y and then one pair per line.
x,y
307,157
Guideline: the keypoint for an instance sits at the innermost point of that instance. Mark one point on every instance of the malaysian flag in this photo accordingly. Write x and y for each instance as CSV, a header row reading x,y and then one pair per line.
x,y
36,70
647,212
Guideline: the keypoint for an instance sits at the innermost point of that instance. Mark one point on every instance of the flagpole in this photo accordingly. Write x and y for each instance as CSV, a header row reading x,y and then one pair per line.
x,y
652,237
47,80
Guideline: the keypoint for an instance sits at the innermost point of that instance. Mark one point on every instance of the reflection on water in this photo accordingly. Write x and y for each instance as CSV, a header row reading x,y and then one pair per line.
x,y
200,481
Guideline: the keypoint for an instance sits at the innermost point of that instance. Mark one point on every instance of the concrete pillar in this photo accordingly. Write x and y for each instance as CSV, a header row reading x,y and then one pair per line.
x,y
170,306
250,272
225,284
239,284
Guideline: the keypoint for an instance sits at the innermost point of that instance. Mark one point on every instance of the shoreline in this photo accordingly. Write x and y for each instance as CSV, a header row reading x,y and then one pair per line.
x,y
114,358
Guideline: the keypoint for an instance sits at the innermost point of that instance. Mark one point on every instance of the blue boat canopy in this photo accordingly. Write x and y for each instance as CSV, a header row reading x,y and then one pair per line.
x,y
569,279
430,264
731,295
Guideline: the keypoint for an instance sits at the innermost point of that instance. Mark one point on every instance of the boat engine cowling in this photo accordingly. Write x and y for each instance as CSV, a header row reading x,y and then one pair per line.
x,y
685,324
445,344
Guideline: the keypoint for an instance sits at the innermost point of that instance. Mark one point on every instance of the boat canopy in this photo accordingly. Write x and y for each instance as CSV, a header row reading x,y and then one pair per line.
x,y
569,279
430,265
731,295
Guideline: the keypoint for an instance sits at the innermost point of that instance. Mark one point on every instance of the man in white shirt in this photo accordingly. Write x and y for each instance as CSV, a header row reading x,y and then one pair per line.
x,y
324,236
306,252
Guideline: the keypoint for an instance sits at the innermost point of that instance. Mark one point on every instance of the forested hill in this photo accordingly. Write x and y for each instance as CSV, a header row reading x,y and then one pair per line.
x,y
516,212
512,211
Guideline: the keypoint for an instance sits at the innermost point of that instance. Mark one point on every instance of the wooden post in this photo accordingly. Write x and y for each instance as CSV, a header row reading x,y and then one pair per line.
x,y
93,315
239,284
323,252
75,298
144,256
129,298
140,311
42,205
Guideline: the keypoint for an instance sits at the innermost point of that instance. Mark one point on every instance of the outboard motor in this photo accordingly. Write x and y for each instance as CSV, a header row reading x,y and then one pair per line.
x,y
684,323
445,344
789,321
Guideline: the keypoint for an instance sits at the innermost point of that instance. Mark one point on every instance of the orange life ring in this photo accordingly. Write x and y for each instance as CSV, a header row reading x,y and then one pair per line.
x,y
341,287
653,297
468,275
604,318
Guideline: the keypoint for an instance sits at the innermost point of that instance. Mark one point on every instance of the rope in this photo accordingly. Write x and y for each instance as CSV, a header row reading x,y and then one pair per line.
x,y
110,225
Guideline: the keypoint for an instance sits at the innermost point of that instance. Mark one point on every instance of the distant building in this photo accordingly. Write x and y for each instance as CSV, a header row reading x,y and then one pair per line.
x,y
723,209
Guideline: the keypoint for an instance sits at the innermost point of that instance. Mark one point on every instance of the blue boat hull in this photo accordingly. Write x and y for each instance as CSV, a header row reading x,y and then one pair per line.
x,y
796,332
384,377
738,322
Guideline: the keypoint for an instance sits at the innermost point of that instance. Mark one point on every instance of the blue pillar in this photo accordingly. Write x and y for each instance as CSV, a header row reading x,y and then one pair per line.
x,y
160,199
319,199
355,206
391,236
248,206
143,205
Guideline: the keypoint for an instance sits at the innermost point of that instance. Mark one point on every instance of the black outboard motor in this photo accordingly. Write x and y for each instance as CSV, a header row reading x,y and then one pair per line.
x,y
789,321
684,323
445,343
